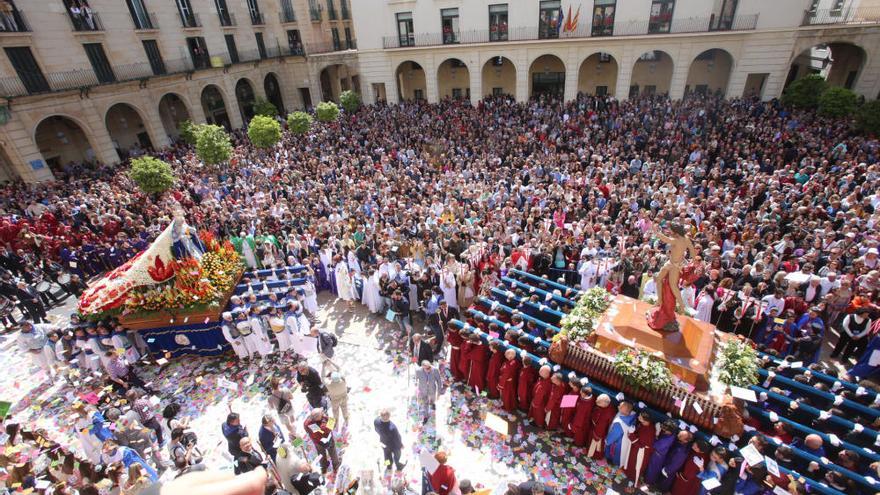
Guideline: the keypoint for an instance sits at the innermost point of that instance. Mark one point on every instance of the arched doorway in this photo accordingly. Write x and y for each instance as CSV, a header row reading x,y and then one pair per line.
x,y
273,92
61,141
499,77
598,75
710,72
652,74
172,111
214,107
547,76
411,82
244,94
127,130
335,79
839,63
454,79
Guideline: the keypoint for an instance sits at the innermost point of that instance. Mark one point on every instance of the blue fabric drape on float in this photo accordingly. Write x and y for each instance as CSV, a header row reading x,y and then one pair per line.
x,y
203,339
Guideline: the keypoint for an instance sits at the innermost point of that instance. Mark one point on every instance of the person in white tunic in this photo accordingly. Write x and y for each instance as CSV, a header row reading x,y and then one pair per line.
x,y
326,257
266,347
447,285
249,338
231,334
353,264
705,303
343,281
371,298
310,299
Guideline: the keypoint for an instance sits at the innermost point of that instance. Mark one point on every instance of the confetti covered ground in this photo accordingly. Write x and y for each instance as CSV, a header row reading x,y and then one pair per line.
x,y
370,353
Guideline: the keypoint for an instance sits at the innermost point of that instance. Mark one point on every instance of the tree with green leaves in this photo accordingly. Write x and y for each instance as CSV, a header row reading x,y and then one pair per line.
x,y
804,93
837,102
188,131
263,106
264,131
299,122
213,145
350,100
152,176
868,117
327,111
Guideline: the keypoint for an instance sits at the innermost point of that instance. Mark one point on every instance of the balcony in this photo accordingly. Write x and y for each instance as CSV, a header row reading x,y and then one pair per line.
x,y
226,19
189,21
860,15
15,22
147,22
78,79
314,13
584,30
257,19
331,46
85,22
286,16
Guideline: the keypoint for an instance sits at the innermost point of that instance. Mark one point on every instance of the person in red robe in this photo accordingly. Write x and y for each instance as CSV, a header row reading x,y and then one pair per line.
x,y
687,481
464,356
455,342
526,380
540,396
583,412
443,480
552,409
600,421
507,380
479,361
641,448
494,371
567,414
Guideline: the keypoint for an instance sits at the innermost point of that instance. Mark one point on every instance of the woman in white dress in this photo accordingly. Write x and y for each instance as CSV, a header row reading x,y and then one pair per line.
x,y
343,282
705,303
372,299
447,285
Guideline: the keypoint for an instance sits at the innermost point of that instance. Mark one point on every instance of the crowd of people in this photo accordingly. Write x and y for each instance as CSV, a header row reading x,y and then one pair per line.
x,y
416,210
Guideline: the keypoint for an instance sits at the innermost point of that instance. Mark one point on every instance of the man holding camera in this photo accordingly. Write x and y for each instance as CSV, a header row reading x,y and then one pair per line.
x,y
184,453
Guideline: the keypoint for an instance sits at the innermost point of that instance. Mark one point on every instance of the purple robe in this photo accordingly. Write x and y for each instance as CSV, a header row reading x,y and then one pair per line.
x,y
673,464
661,448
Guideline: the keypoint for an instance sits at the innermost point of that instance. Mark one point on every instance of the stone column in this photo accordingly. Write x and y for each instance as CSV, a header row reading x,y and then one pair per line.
x,y
22,152
522,76
681,67
431,86
476,83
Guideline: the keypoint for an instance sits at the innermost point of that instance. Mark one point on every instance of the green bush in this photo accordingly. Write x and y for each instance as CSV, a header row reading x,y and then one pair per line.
x,y
805,93
213,145
152,175
299,122
868,117
327,111
350,100
263,106
264,131
188,132
837,102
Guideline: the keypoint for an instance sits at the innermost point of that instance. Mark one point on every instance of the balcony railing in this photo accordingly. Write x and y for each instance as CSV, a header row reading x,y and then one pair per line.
x,y
190,20
257,19
85,22
849,15
39,83
315,14
148,22
286,15
14,22
532,33
330,47
226,19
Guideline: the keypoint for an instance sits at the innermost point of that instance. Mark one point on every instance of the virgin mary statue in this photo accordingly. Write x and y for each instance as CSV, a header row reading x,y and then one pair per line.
x,y
185,242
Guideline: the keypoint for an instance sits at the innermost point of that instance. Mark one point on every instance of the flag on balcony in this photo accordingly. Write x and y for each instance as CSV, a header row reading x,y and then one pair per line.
x,y
572,21
559,22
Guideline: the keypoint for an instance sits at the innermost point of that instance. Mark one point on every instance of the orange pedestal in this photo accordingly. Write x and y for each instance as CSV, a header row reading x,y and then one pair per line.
x,y
688,353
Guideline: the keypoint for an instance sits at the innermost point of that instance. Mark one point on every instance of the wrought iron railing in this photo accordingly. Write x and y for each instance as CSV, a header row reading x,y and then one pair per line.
x,y
85,21
315,13
286,15
584,30
257,19
848,15
330,47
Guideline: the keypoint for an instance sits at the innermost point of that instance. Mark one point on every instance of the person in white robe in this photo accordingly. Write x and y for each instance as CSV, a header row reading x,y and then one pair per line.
x,y
447,285
326,257
353,264
230,333
250,258
266,348
588,271
343,282
371,298
281,331
310,296
705,303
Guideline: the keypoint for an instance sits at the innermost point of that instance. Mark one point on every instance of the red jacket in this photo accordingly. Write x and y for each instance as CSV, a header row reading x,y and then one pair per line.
x,y
318,431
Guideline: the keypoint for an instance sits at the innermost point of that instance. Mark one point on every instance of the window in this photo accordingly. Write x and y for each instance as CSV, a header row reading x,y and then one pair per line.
x,y
334,33
633,91
345,13
223,13
98,59
661,16
349,45
548,19
187,16
650,89
231,48
603,17
601,90
12,20
154,56
28,70
405,29
82,17
331,10
294,42
198,50
449,25
456,93
498,22
497,91
724,20
814,6
837,6
254,11
287,13
139,14
261,46
418,94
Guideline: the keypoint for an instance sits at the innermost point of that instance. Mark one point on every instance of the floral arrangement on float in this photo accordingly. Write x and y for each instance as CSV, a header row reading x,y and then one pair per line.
x,y
736,363
642,370
579,324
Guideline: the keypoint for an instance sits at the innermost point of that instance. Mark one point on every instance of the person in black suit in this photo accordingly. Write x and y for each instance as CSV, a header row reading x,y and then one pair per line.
x,y
29,299
420,349
249,459
443,316
11,261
